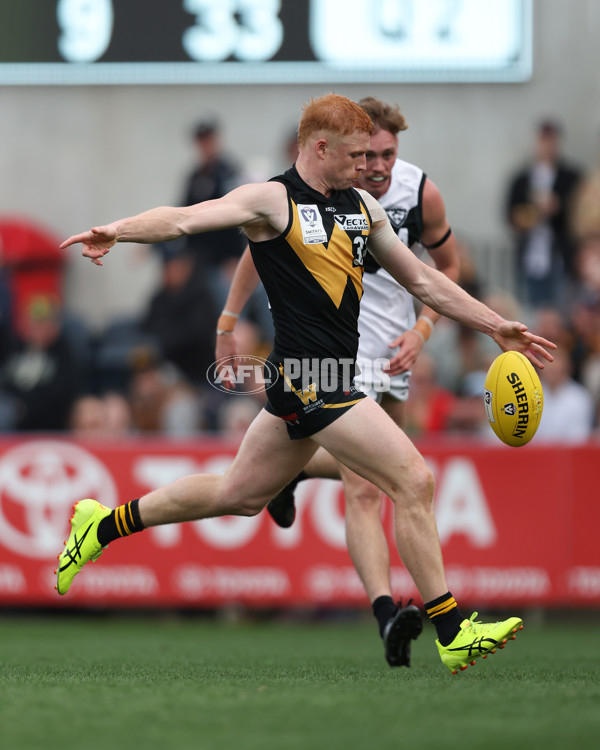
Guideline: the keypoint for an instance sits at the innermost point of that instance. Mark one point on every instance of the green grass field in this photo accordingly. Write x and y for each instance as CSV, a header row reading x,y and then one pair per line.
x,y
154,682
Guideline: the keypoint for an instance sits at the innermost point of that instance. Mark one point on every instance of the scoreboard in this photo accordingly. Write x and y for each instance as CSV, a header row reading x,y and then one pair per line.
x,y
263,41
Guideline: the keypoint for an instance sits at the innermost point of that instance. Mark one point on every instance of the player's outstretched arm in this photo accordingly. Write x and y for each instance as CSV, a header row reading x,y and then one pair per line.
x,y
260,208
157,225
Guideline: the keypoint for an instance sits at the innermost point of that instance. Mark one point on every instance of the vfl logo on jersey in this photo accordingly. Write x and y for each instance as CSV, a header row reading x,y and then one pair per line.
x,y
352,222
311,224
397,217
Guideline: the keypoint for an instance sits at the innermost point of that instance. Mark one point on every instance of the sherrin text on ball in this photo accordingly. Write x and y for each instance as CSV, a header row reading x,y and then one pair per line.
x,y
513,398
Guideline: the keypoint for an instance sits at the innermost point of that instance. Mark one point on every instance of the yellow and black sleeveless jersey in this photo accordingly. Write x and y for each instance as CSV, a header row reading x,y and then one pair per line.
x,y
312,272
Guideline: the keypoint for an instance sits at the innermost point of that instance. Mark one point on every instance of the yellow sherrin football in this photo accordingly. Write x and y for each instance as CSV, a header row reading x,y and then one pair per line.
x,y
513,398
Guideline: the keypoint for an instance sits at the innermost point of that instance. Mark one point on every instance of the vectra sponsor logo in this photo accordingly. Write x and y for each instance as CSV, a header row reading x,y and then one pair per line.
x,y
242,375
522,404
355,222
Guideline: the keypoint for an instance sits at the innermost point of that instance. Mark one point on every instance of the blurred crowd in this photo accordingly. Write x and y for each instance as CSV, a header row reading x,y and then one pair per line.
x,y
147,374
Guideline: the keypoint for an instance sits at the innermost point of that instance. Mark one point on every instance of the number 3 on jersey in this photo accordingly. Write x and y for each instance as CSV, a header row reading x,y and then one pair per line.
x,y
359,244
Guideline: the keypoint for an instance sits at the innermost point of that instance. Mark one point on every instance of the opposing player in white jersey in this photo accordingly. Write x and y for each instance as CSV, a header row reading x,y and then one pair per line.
x,y
389,330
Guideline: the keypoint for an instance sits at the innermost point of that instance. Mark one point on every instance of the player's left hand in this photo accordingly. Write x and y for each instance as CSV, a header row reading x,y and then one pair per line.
x,y
513,335
409,345
96,242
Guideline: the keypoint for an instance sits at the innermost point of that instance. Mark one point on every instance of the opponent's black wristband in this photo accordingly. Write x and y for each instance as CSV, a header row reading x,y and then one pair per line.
x,y
441,241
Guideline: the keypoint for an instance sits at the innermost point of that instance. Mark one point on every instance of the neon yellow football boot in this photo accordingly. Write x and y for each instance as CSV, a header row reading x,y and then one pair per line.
x,y
82,544
477,639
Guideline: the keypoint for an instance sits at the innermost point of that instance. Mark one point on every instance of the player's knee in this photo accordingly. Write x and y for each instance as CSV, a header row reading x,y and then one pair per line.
x,y
364,498
251,507
424,482
247,506
418,484
236,497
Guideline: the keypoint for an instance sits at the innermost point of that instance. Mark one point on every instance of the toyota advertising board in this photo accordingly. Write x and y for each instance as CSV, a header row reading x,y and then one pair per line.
x,y
517,527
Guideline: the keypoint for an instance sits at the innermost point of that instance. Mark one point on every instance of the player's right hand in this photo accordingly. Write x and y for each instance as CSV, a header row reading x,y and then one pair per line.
x,y
96,242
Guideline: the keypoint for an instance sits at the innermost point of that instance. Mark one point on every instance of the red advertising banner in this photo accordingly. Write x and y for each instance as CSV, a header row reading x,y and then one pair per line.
x,y
517,526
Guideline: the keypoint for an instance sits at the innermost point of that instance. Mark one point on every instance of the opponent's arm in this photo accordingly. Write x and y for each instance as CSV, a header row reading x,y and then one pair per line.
x,y
438,239
244,282
440,242
447,298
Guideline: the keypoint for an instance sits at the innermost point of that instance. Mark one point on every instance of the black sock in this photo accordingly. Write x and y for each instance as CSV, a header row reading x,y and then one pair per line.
x,y
445,616
123,521
383,608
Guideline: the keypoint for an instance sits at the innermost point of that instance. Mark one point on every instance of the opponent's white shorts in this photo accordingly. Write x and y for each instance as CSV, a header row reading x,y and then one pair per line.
x,y
386,311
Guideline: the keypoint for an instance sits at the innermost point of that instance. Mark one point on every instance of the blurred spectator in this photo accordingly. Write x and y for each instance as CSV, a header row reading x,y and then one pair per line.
x,y
40,372
585,218
468,416
215,253
427,409
117,414
568,407
590,379
468,277
32,265
553,325
458,350
538,202
236,414
6,322
584,312
585,322
107,416
161,402
120,348
587,266
182,315
87,416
